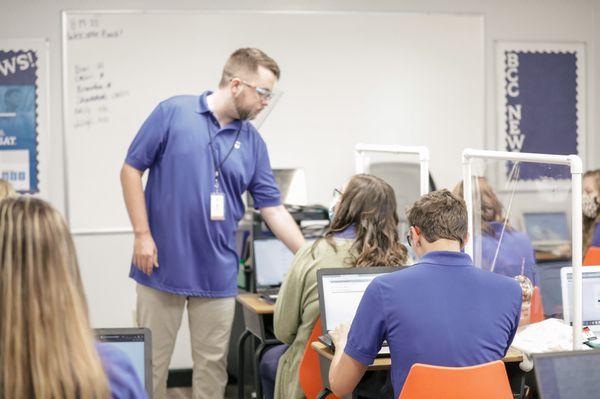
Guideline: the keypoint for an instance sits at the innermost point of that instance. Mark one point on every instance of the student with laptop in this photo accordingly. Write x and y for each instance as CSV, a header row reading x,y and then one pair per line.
x,y
501,252
363,233
47,347
591,209
441,311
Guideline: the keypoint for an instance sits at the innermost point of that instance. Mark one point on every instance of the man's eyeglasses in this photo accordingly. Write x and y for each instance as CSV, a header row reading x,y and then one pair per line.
x,y
265,94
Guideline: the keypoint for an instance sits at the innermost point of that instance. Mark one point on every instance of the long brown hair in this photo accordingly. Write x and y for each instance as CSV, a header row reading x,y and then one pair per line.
x,y
368,204
491,209
590,223
46,343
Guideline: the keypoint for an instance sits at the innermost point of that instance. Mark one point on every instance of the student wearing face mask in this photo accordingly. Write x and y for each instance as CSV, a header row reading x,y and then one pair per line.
x,y
591,209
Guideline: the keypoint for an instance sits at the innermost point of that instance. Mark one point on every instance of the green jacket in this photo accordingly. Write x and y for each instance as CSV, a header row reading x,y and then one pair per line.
x,y
297,308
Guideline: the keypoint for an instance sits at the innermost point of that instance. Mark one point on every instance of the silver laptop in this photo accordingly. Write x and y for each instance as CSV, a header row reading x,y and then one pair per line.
x,y
136,343
567,375
590,303
340,293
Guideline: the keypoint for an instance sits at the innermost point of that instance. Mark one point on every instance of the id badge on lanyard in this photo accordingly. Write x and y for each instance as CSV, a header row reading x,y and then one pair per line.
x,y
217,202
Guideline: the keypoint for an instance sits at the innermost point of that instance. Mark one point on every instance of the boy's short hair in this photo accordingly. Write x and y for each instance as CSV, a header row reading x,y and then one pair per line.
x,y
247,60
440,214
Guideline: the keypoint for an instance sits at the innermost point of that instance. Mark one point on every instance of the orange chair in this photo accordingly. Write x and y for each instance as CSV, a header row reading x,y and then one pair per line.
x,y
310,371
537,308
487,380
592,257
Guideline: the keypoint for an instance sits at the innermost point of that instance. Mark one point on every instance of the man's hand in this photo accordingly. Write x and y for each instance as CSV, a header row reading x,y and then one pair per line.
x,y
145,254
340,336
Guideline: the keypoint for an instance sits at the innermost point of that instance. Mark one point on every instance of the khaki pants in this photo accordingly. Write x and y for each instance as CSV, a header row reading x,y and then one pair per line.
x,y
210,321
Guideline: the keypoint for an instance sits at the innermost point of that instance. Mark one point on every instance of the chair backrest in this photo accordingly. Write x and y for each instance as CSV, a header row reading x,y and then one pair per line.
x,y
310,371
487,380
537,307
592,257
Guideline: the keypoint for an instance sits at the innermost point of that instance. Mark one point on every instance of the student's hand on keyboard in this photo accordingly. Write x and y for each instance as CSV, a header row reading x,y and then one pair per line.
x,y
339,336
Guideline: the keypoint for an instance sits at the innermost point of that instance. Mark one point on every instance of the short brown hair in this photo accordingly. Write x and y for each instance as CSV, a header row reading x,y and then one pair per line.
x,y
247,60
439,214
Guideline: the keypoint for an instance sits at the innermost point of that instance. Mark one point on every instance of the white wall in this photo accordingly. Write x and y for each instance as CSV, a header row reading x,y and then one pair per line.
x,y
534,20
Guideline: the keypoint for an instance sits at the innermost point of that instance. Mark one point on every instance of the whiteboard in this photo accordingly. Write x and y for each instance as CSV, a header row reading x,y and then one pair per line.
x,y
390,78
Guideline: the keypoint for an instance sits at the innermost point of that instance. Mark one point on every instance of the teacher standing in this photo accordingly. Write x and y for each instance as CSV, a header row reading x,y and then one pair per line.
x,y
202,155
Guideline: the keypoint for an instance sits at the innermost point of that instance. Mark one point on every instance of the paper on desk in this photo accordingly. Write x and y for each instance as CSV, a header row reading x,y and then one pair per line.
x,y
550,335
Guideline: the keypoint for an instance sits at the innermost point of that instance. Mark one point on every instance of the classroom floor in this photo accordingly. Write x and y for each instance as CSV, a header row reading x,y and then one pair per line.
x,y
186,392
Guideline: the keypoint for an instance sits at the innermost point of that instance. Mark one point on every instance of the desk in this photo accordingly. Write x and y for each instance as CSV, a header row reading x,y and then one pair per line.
x,y
258,314
382,363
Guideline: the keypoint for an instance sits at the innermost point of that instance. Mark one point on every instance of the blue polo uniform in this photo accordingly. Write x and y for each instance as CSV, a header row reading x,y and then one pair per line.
x,y
441,311
197,256
515,250
596,236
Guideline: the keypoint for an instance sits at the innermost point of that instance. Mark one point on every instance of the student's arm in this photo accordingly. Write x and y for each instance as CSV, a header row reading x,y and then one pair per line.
x,y
288,308
145,254
283,226
356,349
345,372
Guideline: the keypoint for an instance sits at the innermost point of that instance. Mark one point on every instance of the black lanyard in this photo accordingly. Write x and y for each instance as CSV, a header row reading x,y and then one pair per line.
x,y
217,165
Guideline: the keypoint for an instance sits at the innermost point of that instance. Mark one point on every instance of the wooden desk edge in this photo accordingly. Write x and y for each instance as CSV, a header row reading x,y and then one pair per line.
x,y
513,355
253,303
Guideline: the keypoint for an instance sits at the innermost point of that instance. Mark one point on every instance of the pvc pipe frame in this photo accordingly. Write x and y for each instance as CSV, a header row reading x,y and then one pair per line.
x,y
574,162
421,151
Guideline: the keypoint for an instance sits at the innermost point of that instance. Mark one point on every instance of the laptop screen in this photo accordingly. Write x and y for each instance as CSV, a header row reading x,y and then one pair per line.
x,y
134,343
590,304
546,227
566,375
341,296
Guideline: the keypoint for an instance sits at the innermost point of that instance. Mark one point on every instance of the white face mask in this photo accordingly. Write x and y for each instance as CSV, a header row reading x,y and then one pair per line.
x,y
589,206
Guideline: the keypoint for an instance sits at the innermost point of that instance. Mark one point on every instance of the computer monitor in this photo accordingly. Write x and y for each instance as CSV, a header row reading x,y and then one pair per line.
x,y
340,292
590,304
272,261
567,375
136,343
546,229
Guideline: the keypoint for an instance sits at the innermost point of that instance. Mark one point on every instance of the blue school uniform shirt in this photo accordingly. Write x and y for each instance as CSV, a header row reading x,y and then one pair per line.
x,y
123,381
197,256
441,311
515,250
596,236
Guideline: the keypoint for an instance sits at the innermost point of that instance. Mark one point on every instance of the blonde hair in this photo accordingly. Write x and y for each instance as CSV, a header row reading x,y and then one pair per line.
x,y
247,61
46,343
589,224
6,189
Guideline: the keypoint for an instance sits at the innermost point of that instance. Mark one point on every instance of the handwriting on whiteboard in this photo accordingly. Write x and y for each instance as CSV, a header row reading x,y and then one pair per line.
x,y
85,28
94,93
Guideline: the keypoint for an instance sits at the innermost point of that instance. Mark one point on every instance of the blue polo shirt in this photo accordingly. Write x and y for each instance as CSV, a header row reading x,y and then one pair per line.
x,y
596,236
441,311
197,256
123,380
515,249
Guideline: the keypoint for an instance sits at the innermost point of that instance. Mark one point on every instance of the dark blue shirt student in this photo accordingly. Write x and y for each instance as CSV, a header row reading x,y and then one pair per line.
x,y
197,256
516,250
442,311
596,236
